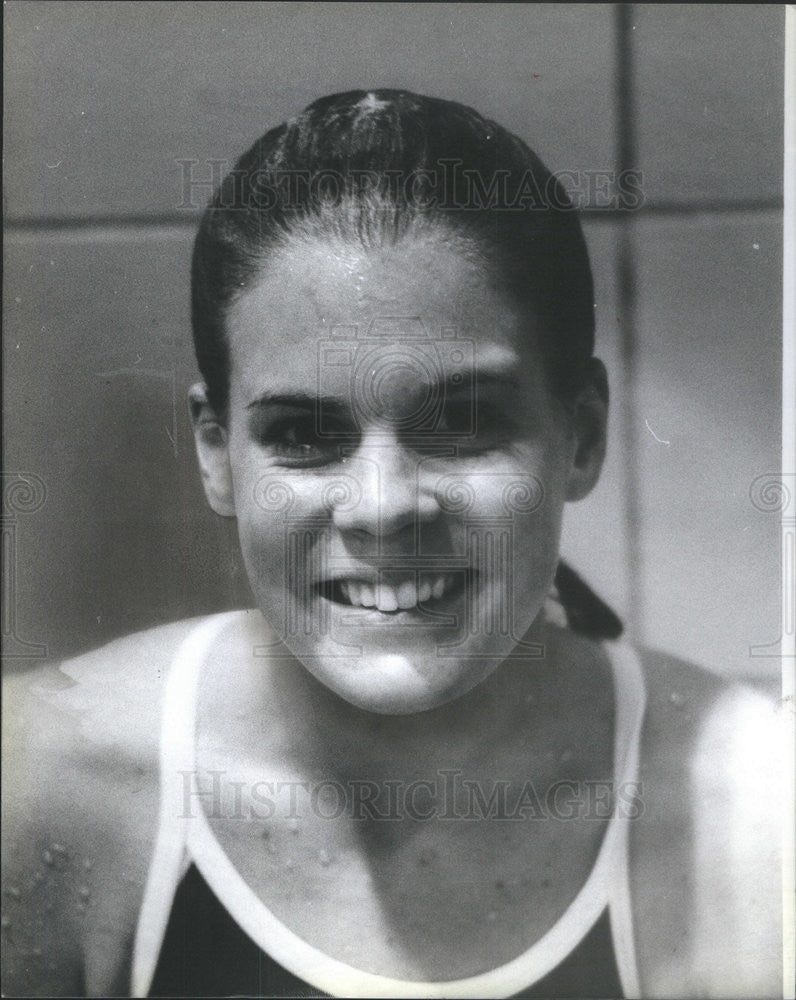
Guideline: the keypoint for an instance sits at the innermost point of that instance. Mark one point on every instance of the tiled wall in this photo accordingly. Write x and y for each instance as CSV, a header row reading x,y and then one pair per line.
x,y
103,99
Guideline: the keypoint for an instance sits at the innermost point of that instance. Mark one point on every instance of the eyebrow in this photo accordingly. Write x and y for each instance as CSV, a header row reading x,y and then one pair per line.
x,y
296,400
307,401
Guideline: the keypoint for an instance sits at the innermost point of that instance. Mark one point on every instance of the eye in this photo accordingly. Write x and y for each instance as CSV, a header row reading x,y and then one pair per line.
x,y
458,417
476,428
295,441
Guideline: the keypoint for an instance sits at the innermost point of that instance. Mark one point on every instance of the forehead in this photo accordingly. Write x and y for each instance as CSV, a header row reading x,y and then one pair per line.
x,y
312,290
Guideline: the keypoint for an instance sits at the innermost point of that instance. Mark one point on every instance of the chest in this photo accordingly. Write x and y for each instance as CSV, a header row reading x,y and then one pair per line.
x,y
420,867
438,880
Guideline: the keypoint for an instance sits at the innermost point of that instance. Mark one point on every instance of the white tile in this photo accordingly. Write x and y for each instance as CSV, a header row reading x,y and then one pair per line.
x,y
709,423
709,91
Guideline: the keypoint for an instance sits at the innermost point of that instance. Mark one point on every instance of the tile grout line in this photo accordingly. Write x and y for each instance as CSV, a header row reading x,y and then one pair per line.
x,y
166,221
627,159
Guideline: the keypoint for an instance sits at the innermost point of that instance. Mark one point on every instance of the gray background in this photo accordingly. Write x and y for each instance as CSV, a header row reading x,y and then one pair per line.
x,y
102,99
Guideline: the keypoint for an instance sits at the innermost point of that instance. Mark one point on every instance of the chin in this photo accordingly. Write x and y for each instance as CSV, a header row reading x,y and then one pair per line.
x,y
395,684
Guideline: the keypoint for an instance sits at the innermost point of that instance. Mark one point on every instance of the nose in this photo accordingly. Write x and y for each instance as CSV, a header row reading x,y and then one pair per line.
x,y
392,494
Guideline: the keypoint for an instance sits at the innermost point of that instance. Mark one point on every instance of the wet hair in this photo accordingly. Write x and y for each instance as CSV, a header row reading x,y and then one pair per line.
x,y
585,612
370,168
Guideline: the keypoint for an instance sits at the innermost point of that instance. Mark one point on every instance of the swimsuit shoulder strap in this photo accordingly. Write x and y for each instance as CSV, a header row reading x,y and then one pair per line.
x,y
630,700
170,859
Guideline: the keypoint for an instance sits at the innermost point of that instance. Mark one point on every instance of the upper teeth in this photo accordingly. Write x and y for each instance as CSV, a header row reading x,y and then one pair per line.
x,y
387,597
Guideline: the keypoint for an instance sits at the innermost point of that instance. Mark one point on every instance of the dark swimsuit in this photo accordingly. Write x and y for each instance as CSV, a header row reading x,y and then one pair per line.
x,y
206,954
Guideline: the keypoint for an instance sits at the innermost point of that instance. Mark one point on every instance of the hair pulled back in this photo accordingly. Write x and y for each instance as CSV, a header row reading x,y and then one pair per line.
x,y
370,168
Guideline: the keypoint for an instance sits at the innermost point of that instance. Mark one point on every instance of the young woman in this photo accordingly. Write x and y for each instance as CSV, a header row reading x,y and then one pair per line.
x,y
425,765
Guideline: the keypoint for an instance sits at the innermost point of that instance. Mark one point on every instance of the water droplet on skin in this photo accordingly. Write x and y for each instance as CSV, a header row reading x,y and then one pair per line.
x,y
324,858
677,699
47,858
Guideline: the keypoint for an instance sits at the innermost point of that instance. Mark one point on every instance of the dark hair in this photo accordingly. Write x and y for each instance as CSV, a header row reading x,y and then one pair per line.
x,y
374,166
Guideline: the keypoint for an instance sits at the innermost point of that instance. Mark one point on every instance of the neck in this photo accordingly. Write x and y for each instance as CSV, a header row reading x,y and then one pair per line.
x,y
537,711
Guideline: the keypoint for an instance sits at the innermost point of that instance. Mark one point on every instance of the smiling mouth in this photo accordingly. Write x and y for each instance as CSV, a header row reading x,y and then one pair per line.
x,y
391,598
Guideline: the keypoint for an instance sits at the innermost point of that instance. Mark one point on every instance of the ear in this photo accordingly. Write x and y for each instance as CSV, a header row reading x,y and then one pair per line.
x,y
589,417
210,436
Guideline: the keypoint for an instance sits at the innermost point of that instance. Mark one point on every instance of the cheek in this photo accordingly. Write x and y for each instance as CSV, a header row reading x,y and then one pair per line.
x,y
527,486
283,525
262,544
511,532
522,514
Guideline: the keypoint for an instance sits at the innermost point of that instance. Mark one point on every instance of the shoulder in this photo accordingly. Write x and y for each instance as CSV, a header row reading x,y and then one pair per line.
x,y
104,700
704,850
80,772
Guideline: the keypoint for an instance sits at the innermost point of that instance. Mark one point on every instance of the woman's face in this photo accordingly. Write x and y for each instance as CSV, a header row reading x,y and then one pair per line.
x,y
397,467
